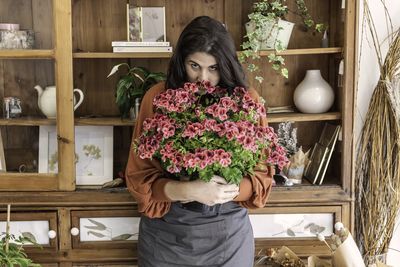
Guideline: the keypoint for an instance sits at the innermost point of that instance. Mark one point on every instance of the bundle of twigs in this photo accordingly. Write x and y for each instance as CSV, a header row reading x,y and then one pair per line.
x,y
378,156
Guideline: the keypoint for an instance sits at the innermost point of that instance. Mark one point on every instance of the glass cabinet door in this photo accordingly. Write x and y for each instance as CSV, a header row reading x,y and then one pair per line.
x,y
36,92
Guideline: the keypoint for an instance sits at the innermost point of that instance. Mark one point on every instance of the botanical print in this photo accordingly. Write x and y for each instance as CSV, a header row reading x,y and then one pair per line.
x,y
292,225
93,153
103,229
37,231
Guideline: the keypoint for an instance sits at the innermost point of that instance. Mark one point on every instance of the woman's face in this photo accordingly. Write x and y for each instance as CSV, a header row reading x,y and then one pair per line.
x,y
201,66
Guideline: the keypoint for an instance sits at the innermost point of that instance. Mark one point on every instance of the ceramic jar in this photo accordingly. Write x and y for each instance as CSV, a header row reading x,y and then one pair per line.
x,y
313,94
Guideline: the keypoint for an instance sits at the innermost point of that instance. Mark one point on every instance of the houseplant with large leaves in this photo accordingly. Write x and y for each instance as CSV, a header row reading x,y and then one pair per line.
x,y
133,85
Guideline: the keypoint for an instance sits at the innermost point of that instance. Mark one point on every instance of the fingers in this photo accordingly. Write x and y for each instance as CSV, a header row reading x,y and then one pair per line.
x,y
218,179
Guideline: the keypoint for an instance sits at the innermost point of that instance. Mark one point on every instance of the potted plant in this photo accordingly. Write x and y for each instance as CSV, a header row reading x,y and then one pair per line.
x,y
11,248
267,29
132,86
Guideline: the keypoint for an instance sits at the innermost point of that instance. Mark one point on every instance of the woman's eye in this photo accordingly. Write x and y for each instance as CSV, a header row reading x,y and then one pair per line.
x,y
194,65
213,68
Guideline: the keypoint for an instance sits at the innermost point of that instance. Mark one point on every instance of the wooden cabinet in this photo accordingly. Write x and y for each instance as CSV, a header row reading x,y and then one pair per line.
x,y
73,50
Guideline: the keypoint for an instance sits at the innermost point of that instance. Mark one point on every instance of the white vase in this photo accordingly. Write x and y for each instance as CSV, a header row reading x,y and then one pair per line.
x,y
272,31
313,94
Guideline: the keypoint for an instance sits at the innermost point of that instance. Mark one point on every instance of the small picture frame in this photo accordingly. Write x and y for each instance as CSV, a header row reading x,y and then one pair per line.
x,y
93,153
2,157
146,24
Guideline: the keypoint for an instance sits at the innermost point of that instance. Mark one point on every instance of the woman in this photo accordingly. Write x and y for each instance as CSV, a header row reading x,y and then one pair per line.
x,y
195,223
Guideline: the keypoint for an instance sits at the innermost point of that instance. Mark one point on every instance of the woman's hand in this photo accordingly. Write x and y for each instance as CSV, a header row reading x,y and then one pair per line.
x,y
217,191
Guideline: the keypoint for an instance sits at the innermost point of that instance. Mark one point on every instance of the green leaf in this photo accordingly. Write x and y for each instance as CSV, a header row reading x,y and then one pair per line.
x,y
115,69
29,236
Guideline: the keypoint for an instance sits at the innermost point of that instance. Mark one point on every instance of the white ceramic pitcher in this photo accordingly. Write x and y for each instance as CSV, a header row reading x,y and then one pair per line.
x,y
47,100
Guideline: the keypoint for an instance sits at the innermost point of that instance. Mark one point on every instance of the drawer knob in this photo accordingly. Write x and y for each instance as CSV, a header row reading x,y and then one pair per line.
x,y
74,231
52,234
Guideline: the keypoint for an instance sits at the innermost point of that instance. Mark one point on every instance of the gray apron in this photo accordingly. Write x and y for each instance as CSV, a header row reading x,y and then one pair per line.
x,y
220,238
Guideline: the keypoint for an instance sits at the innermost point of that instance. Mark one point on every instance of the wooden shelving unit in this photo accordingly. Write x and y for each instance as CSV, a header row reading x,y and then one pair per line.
x,y
73,45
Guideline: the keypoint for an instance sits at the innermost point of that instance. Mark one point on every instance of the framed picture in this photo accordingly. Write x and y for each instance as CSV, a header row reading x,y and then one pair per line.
x,y
146,24
2,158
93,153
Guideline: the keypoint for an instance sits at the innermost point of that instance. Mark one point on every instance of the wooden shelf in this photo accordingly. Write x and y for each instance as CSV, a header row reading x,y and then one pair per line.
x,y
121,55
114,121
305,51
288,52
296,117
33,121
117,121
120,196
27,121
27,53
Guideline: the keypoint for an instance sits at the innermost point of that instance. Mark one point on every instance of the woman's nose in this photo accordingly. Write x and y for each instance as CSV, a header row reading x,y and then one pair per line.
x,y
203,76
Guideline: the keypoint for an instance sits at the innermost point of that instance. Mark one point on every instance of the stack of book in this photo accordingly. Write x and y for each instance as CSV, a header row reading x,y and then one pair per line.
x,y
322,153
144,47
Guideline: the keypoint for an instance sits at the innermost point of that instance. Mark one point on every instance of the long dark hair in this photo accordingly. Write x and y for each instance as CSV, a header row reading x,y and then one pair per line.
x,y
205,34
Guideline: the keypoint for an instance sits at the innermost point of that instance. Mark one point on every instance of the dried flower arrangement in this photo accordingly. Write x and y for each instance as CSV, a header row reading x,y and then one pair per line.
x,y
298,160
378,155
287,136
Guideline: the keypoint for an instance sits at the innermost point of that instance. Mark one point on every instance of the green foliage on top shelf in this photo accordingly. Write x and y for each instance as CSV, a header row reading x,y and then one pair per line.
x,y
132,85
263,13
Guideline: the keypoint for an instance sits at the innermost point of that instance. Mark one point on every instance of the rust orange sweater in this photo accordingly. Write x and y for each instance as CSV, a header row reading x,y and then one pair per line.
x,y
146,179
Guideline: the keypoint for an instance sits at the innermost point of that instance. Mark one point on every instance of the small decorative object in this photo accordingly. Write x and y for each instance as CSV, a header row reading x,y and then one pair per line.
x,y
297,163
12,107
2,157
208,130
9,26
325,40
14,39
268,30
344,250
313,94
93,153
146,24
133,85
47,100
114,183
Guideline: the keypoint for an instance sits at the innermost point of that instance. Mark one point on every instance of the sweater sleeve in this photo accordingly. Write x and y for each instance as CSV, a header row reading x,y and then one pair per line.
x,y
255,189
144,177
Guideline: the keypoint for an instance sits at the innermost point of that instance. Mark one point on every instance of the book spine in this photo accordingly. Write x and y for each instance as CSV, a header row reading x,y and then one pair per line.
x,y
128,44
126,49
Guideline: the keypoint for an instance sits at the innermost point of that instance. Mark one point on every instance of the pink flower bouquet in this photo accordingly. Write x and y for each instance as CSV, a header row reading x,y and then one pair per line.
x,y
201,130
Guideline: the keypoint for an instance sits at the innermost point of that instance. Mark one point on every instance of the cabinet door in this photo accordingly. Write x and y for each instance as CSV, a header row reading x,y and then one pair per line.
x,y
295,227
24,150
39,226
102,229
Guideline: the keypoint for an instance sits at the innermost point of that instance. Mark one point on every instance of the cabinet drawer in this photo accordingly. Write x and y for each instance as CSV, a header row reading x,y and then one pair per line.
x,y
294,222
105,229
36,225
295,227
